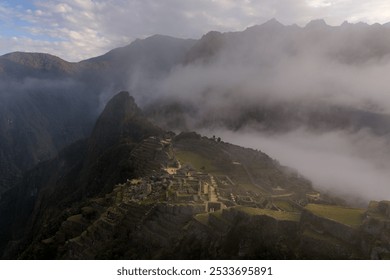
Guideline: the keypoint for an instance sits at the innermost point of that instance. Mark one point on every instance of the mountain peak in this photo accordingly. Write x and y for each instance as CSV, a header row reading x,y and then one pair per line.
x,y
346,23
206,47
121,118
19,61
317,23
124,101
273,22
122,106
34,60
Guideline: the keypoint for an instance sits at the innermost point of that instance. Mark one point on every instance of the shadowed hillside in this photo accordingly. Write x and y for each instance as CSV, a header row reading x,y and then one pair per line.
x,y
133,191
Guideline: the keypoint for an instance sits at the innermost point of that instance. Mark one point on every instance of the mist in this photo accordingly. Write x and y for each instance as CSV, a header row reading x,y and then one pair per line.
x,y
315,98
290,63
351,166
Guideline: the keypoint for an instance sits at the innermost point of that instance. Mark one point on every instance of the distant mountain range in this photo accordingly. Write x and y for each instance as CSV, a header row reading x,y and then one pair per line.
x,y
48,103
134,191
229,80
65,141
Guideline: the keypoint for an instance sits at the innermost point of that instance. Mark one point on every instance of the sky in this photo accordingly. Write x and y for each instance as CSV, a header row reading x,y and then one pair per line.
x,y
80,29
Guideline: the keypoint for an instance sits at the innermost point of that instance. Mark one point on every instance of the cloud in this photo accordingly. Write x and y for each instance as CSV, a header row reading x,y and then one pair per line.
x,y
318,3
350,165
81,29
344,68
315,98
347,67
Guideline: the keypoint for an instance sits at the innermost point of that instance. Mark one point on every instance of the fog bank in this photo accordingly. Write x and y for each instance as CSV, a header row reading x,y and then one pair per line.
x,y
353,166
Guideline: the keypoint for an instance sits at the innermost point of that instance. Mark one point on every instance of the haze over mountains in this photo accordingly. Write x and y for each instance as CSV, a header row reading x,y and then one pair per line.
x,y
48,103
315,98
310,82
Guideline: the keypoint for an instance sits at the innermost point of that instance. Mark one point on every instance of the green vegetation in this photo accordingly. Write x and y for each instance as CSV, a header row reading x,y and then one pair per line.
x,y
240,176
349,216
217,214
219,166
203,218
322,237
374,212
285,206
373,205
247,186
198,161
76,218
279,215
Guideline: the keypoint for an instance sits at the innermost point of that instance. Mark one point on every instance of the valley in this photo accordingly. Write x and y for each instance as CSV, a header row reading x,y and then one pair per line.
x,y
202,198
106,158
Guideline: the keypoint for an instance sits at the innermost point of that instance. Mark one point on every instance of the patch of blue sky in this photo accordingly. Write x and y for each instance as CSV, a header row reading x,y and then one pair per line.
x,y
17,26
26,34
24,31
20,4
12,22
14,28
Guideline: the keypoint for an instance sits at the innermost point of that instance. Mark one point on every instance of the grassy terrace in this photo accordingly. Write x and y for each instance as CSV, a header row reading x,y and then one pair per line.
x,y
203,218
201,162
323,237
348,216
217,214
76,218
239,175
278,215
286,206
197,161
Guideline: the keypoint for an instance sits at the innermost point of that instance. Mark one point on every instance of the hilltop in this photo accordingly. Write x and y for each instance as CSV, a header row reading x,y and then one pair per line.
x,y
134,191
84,170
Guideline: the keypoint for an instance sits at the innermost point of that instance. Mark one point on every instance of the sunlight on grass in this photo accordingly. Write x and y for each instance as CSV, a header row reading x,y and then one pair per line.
x,y
349,216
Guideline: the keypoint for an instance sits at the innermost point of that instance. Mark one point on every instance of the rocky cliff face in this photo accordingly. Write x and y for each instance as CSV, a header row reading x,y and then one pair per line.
x,y
131,191
376,230
47,103
241,233
82,170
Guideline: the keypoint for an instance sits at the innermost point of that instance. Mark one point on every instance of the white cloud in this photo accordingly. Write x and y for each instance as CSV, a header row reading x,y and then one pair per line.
x,y
104,24
351,165
319,3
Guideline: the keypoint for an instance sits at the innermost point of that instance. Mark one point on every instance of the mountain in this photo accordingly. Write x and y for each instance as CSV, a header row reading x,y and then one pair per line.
x,y
80,167
133,191
35,65
123,146
277,77
36,122
48,103
86,168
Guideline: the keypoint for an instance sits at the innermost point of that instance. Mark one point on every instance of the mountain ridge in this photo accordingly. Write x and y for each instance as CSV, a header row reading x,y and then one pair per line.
x,y
80,90
201,198
229,80
79,171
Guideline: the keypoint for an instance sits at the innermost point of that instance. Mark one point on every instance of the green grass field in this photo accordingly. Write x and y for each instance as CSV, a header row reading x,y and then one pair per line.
x,y
322,237
285,206
203,218
279,215
198,161
349,216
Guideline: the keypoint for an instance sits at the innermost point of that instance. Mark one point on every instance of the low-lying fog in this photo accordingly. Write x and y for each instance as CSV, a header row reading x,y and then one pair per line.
x,y
354,166
343,67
